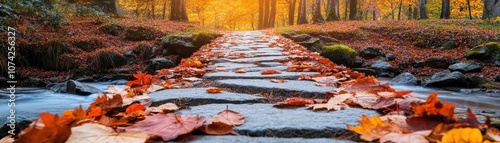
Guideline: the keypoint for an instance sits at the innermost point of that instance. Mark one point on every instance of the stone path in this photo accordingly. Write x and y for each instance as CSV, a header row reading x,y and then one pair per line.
x,y
251,92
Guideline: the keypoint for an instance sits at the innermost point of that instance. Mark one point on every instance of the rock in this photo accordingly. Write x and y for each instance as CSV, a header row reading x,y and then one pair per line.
x,y
366,71
382,66
402,65
301,37
437,62
480,82
390,57
3,82
127,53
186,44
497,79
286,89
451,44
264,120
106,60
75,87
122,70
418,64
454,60
313,44
288,34
158,64
445,79
199,96
489,51
358,63
370,52
20,124
465,67
255,75
340,54
270,64
122,77
404,79
247,139
85,80
112,29
138,33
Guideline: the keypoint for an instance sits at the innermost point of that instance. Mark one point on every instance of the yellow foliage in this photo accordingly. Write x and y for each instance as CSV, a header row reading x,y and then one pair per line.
x,y
463,135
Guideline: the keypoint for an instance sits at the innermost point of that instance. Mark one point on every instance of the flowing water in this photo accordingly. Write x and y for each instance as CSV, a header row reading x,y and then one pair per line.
x,y
31,101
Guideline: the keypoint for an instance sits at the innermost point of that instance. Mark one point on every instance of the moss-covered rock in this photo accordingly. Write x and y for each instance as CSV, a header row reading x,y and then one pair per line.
x,y
201,38
487,51
143,51
340,54
138,33
112,29
449,45
106,59
186,44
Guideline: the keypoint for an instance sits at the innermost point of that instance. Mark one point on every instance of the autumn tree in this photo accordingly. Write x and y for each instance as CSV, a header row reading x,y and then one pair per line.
x,y
267,13
302,15
423,9
445,9
317,17
291,11
178,10
353,9
333,10
491,9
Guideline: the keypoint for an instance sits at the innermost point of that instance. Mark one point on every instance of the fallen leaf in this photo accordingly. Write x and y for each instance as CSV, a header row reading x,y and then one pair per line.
x,y
168,126
192,79
7,139
214,90
140,79
47,129
328,80
217,128
278,80
440,130
164,108
91,132
396,94
95,112
270,72
295,101
240,71
471,119
228,117
415,137
135,108
424,123
106,103
463,135
117,90
368,99
373,128
492,134
335,103
365,83
433,106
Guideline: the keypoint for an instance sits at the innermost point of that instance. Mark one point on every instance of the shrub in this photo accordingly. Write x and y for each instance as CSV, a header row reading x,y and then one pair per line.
x,y
88,44
112,29
84,11
106,59
340,54
47,14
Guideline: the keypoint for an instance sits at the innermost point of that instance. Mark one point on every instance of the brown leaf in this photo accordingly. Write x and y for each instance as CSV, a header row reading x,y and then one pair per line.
x,y
295,101
415,137
471,119
373,128
168,126
335,103
106,103
328,80
270,72
214,90
240,71
228,117
217,128
433,106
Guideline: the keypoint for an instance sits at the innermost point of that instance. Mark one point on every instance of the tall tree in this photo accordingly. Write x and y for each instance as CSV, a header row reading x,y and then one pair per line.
x,y
163,15
491,9
261,14
445,9
353,9
317,17
267,13
333,11
178,10
302,16
468,8
153,9
346,9
400,9
423,9
272,15
291,11
415,13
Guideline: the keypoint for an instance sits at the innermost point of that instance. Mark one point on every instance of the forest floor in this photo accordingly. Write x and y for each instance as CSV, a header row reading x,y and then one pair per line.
x,y
413,40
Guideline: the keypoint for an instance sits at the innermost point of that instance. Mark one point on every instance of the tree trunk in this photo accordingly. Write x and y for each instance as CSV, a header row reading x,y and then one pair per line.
x,y
415,13
107,6
346,9
153,9
164,9
445,9
332,13
410,12
272,17
183,11
353,9
266,13
468,8
261,14
400,8
496,11
291,11
423,9
302,17
317,17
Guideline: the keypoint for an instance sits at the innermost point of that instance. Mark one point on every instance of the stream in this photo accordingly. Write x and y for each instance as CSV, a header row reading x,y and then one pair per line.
x,y
32,101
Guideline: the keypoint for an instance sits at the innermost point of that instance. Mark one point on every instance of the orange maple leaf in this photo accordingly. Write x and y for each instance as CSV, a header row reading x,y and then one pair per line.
x,y
48,129
140,79
135,107
270,72
214,90
433,106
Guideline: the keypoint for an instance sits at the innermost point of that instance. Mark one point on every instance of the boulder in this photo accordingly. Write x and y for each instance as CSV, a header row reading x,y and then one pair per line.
x,y
85,80
75,87
158,64
382,66
127,53
358,63
480,82
418,64
312,44
138,33
390,57
35,82
288,34
465,67
451,44
489,51
340,54
445,79
185,44
404,79
301,37
370,52
437,62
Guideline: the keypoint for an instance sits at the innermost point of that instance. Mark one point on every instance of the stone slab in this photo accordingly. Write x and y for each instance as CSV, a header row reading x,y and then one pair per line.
x,y
264,120
270,64
246,139
233,66
199,96
256,75
260,59
296,88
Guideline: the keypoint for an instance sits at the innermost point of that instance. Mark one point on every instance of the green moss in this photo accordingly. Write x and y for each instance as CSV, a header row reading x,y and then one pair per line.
x,y
202,37
487,51
340,54
140,33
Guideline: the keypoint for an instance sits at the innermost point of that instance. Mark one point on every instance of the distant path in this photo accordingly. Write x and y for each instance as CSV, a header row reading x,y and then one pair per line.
x,y
255,52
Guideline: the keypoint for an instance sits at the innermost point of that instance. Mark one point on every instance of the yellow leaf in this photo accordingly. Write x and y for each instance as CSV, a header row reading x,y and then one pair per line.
x,y
463,135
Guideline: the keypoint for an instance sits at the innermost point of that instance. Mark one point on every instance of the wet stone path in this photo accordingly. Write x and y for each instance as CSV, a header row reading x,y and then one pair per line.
x,y
244,93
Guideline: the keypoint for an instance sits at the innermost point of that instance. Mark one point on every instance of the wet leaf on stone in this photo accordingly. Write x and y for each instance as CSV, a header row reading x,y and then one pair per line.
x,y
433,106
266,72
168,126
214,90
91,132
228,117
